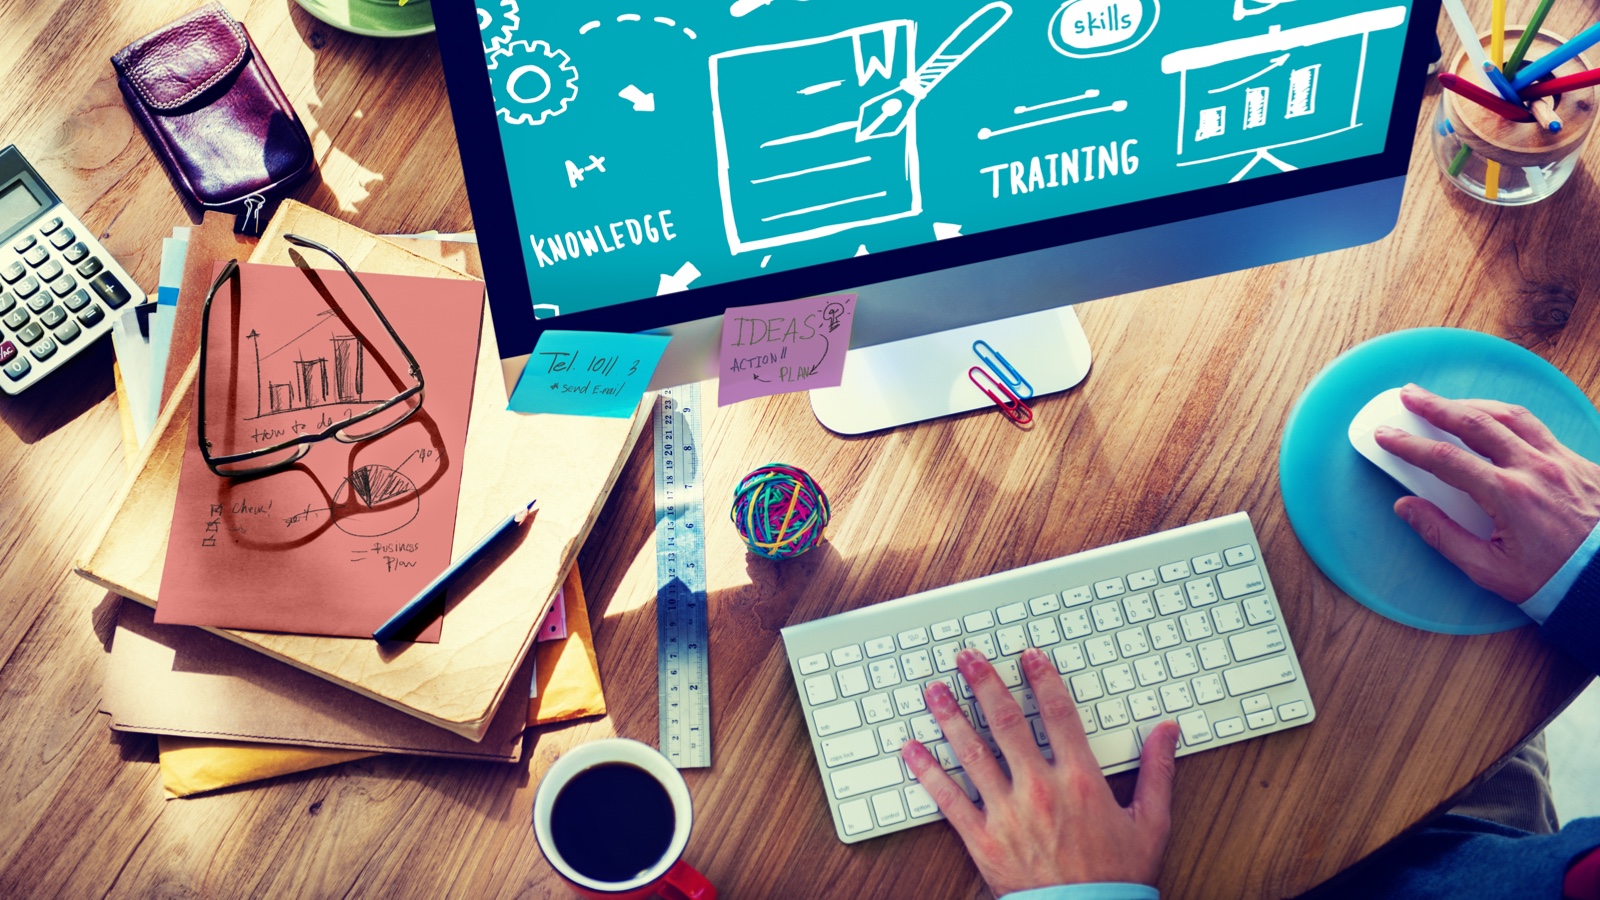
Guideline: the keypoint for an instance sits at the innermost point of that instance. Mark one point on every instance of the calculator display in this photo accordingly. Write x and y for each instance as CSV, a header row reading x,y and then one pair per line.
x,y
17,205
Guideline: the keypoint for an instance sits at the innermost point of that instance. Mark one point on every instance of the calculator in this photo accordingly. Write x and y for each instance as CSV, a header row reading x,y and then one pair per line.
x,y
59,289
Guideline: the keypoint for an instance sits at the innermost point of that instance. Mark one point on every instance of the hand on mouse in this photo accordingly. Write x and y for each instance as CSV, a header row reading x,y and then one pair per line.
x,y
1052,822
1544,499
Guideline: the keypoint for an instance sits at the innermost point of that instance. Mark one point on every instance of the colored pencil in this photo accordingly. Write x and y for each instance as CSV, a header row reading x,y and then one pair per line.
x,y
1544,109
426,602
1497,33
1501,84
1563,84
1458,85
1556,58
1528,33
1460,162
1491,180
1466,31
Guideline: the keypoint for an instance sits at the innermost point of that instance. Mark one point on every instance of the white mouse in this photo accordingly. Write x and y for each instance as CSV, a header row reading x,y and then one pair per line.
x,y
1386,409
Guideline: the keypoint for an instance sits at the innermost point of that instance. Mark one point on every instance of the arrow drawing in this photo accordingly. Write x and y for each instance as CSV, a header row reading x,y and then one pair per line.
x,y
944,231
678,283
641,101
1276,62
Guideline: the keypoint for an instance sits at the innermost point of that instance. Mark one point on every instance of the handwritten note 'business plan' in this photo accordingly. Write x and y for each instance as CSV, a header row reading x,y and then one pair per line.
x,y
588,373
777,348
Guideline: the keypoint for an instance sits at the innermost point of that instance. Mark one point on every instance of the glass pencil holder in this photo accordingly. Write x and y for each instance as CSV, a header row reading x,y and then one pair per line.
x,y
1509,163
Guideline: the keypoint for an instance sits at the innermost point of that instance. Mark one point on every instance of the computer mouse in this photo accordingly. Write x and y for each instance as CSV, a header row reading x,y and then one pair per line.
x,y
1386,409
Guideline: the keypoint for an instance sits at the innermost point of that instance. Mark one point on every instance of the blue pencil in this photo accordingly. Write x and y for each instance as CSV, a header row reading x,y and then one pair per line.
x,y
1556,58
1501,84
424,600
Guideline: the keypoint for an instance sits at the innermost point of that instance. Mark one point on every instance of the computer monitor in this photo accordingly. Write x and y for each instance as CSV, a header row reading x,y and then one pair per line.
x,y
970,168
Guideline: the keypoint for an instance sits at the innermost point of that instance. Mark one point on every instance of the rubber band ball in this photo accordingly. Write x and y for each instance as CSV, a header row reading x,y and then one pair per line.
x,y
780,511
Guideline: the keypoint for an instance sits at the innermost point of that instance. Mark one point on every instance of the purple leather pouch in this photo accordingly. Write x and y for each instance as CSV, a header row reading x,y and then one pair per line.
x,y
215,115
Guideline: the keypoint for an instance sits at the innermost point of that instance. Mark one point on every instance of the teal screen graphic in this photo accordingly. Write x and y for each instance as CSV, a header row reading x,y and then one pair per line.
x,y
655,146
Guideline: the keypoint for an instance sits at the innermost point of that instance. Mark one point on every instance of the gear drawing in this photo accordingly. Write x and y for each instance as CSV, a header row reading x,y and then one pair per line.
x,y
497,21
532,82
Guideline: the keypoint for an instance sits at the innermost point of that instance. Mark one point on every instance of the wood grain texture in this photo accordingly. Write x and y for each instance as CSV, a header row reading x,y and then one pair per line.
x,y
1179,421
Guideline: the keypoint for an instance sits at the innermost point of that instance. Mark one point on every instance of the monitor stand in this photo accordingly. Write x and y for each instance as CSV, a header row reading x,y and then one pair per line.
x,y
925,377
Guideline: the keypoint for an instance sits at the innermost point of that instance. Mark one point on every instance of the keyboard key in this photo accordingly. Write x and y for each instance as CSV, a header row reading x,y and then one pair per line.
x,y
1208,689
1044,632
8,352
1252,677
1077,596
877,647
1026,700
78,300
885,673
91,315
1227,618
25,242
1010,674
844,656
919,803
76,252
1015,612
110,290
41,302
979,621
1045,605
27,287
877,708
983,643
849,748
50,271
1176,571
1201,591
1139,581
1086,717
13,272
7,303
892,736
1258,610
1106,616
62,238
1040,736
1164,634
1143,705
1075,624
1196,626
50,226
963,690
91,267
1194,727
926,729
37,256
1295,710
1181,662
1132,642
944,656
53,316
1170,600
944,631
819,690
1101,650
888,808
965,783
1111,587
811,665
1118,678
1087,687
1238,556
1012,640
1176,697
1112,713
1208,563
1263,719
908,699
1256,703
855,816
1238,582
1227,728
16,318
946,755
1213,654
18,368
30,333
834,719
917,665
1069,658
853,681
1114,748
1151,670
915,637
1261,642
1139,608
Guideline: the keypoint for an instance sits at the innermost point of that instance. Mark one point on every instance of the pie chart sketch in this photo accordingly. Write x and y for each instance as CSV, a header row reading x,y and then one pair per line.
x,y
374,501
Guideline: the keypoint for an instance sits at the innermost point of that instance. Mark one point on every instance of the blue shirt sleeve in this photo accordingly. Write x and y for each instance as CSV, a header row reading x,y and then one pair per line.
x,y
1102,891
1542,604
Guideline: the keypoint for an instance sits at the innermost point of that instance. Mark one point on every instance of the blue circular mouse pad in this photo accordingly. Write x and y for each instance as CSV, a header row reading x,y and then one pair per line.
x,y
1342,506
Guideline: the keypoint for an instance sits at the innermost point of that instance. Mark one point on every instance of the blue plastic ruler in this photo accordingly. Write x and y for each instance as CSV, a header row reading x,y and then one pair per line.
x,y
681,630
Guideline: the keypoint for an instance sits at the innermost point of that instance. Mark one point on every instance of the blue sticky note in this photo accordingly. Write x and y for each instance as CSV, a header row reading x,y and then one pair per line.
x,y
588,373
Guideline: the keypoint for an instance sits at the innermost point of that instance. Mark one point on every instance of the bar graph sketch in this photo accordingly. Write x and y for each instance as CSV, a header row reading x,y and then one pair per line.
x,y
318,367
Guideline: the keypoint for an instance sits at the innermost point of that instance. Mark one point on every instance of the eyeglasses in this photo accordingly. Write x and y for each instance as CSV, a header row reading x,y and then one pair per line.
x,y
365,426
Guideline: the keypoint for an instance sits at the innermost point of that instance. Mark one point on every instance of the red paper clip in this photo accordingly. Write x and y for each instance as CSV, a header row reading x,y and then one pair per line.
x,y
1012,405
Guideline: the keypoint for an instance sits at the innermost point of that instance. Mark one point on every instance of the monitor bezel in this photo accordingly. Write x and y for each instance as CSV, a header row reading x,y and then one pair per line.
x,y
504,251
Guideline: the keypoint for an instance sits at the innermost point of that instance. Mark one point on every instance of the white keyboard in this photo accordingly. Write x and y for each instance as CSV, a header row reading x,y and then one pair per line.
x,y
1181,625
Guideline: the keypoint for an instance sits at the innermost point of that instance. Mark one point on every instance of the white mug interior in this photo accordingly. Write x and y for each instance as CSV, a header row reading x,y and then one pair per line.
x,y
597,753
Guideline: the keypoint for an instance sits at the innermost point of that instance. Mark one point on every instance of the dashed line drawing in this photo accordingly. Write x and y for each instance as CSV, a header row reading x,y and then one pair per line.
x,y
497,22
532,82
851,100
635,17
1245,8
1337,63
985,134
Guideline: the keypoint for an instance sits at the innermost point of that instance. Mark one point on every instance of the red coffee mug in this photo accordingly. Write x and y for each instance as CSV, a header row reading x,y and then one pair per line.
x,y
671,877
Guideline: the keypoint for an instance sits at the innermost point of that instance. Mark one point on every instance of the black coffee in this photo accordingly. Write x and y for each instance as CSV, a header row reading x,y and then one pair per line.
x,y
613,822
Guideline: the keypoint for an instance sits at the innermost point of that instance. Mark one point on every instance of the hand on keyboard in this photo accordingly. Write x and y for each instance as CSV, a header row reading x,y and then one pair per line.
x,y
1544,498
1051,822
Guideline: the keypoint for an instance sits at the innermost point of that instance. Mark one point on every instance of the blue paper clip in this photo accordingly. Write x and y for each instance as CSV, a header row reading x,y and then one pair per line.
x,y
1003,370
1010,404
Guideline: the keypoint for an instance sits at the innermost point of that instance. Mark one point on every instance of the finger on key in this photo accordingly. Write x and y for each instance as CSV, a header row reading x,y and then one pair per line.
x,y
946,794
1006,722
1451,464
1477,429
970,750
1062,724
1522,423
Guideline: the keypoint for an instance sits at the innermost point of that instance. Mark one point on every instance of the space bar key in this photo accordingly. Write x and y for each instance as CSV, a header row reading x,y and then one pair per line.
x,y
1114,748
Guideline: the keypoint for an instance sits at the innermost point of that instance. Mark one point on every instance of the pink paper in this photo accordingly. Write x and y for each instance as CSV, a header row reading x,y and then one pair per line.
x,y
554,627
778,348
336,543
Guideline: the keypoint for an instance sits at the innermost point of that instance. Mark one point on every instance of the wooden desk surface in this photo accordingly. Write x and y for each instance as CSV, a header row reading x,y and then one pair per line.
x,y
1179,421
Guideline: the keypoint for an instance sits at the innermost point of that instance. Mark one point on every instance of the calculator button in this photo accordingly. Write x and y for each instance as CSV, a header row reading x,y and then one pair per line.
x,y
24,242
13,272
66,285
50,226
8,352
90,267
53,316
62,238
78,300
110,290
6,303
91,316
37,256
26,287
45,349
29,333
18,368
40,302
76,252
68,332
16,318
51,270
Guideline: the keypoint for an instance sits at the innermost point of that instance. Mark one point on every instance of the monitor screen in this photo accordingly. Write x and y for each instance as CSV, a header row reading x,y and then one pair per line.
x,y
672,159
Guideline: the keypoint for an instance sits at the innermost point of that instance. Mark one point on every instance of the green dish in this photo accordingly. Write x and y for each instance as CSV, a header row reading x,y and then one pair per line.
x,y
374,18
